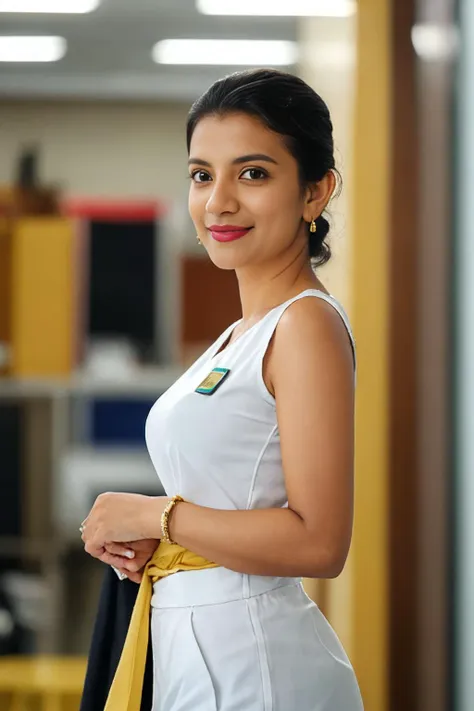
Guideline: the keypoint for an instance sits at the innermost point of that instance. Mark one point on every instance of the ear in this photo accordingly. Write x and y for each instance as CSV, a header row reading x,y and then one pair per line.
x,y
317,196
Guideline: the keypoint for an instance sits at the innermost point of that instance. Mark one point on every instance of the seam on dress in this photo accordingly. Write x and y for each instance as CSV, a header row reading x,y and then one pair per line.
x,y
257,464
234,599
317,611
246,578
245,586
262,658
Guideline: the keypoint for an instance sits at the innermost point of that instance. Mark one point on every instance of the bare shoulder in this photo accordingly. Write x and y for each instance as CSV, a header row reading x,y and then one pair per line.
x,y
310,334
312,324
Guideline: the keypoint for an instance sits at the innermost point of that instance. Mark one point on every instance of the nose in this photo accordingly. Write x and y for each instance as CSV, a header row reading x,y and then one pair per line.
x,y
222,199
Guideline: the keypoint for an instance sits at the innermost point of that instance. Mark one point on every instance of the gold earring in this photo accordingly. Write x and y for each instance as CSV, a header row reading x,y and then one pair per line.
x,y
312,227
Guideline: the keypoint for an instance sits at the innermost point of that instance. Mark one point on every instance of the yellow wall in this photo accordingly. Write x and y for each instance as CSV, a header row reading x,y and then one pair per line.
x,y
370,320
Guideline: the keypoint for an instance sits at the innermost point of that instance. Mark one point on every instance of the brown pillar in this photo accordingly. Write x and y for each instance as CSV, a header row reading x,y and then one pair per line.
x,y
403,323
420,265
435,91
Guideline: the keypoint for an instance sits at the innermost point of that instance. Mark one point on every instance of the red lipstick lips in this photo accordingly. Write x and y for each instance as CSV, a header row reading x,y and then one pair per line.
x,y
227,233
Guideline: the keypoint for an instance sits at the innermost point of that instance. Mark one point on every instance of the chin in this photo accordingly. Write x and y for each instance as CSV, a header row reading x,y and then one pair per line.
x,y
225,258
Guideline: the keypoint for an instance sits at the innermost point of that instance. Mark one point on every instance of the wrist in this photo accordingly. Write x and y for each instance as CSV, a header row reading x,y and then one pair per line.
x,y
176,523
152,518
166,517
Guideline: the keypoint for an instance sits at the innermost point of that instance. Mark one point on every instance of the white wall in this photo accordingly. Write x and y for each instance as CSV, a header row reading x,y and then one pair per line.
x,y
100,149
464,370
328,53
328,61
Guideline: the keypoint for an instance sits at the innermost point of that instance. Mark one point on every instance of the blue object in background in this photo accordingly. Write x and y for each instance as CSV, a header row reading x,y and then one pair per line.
x,y
118,422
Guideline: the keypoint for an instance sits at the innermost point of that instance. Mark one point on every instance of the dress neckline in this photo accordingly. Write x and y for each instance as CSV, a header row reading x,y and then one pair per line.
x,y
225,345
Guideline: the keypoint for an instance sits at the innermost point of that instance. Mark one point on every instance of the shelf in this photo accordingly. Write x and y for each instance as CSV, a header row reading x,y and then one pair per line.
x,y
145,381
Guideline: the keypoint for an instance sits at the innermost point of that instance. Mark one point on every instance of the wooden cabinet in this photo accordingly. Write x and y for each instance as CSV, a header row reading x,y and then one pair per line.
x,y
36,286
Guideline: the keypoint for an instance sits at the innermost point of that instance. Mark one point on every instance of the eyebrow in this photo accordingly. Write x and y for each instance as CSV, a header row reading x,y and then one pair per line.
x,y
237,161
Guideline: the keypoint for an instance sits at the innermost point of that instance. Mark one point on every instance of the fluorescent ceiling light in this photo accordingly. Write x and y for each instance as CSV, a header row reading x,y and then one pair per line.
x,y
232,52
73,7
32,49
288,8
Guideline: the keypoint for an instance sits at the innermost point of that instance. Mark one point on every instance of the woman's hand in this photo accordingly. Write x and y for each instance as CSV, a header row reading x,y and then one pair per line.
x,y
118,518
130,558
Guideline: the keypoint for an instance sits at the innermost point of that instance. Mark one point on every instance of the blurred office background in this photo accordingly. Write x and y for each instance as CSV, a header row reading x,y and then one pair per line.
x,y
105,297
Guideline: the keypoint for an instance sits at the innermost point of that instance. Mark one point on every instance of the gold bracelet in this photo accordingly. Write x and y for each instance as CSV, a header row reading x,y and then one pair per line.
x,y
165,536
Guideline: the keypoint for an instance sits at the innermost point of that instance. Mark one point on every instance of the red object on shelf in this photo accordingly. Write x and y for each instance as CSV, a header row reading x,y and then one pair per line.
x,y
114,210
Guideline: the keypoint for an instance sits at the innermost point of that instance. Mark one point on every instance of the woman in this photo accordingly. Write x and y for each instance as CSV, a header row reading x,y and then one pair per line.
x,y
256,437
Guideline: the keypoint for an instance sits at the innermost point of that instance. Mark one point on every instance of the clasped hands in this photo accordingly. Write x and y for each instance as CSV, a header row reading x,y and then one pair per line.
x,y
123,530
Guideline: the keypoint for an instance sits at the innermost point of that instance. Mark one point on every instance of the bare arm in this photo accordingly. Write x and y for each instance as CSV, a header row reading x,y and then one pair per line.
x,y
311,370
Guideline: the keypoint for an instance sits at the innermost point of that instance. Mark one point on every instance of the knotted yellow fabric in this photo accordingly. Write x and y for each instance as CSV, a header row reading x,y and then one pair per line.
x,y
126,691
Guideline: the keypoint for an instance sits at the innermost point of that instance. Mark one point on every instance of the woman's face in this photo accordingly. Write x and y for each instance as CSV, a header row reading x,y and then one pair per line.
x,y
245,197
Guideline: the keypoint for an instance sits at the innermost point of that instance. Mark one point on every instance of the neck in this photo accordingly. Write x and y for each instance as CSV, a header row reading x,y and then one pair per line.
x,y
262,287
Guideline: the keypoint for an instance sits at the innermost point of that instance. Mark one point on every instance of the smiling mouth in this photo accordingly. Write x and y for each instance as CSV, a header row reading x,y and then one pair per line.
x,y
228,234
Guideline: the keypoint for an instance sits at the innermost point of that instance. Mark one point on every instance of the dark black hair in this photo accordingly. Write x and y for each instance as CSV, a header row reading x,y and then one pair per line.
x,y
288,106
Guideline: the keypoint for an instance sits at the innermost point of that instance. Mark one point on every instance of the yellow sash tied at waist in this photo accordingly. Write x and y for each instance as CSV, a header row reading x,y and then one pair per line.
x,y
126,691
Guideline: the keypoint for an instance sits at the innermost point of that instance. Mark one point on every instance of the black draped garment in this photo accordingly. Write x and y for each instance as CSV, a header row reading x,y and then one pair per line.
x,y
117,598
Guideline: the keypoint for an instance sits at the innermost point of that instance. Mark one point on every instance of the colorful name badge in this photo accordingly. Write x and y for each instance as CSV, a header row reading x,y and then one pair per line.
x,y
212,381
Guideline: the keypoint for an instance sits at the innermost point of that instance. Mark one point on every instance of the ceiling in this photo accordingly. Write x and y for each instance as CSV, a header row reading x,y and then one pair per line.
x,y
109,50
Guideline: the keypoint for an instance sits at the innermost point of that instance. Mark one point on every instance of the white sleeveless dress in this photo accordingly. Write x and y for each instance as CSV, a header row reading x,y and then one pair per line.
x,y
221,640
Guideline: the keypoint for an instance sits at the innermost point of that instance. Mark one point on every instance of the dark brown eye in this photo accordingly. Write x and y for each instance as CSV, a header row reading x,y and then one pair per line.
x,y
254,174
200,176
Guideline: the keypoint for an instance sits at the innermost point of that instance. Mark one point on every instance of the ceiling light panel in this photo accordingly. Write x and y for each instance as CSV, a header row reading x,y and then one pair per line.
x,y
32,49
226,52
279,8
66,7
